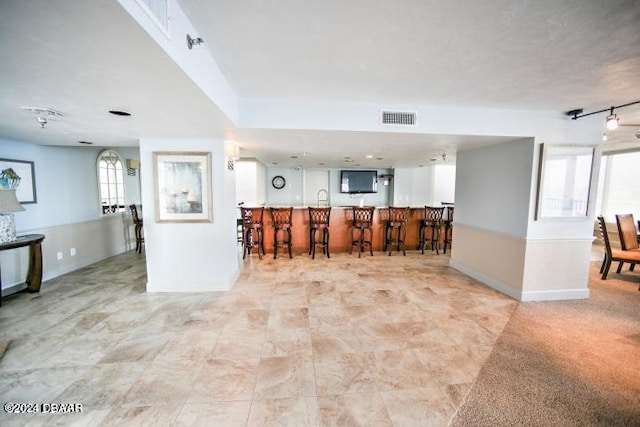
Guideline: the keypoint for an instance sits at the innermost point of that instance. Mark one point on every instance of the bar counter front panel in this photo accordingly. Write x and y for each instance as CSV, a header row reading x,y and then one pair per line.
x,y
340,230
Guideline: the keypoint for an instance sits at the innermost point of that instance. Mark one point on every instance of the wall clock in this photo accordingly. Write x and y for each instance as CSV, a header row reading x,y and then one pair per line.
x,y
278,182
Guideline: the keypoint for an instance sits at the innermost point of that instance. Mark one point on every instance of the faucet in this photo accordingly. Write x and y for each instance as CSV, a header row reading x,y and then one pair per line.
x,y
324,200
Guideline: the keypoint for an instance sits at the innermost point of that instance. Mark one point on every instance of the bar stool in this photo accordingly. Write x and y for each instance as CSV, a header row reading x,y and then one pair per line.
x,y
319,220
137,223
448,229
362,222
253,230
397,223
431,221
281,221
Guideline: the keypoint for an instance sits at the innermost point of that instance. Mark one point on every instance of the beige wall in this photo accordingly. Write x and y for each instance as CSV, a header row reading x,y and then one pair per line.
x,y
493,258
92,240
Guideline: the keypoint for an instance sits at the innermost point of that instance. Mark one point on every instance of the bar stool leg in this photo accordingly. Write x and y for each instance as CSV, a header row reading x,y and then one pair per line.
x,y
371,241
275,243
325,238
289,243
312,242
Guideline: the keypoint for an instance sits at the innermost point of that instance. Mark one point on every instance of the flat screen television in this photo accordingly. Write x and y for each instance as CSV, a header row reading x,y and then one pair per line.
x,y
358,181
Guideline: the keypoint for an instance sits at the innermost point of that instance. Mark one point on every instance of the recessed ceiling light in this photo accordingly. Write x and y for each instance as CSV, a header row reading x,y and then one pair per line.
x,y
347,157
369,156
294,157
119,113
85,142
379,158
320,164
357,164
305,153
274,163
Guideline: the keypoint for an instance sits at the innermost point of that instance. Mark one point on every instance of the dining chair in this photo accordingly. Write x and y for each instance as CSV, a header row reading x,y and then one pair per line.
x,y
610,255
628,235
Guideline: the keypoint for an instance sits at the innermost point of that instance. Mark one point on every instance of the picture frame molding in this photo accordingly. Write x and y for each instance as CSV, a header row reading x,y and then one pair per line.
x,y
542,211
26,192
205,190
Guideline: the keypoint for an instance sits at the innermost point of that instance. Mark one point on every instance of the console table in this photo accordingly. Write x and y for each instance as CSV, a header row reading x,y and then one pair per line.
x,y
34,274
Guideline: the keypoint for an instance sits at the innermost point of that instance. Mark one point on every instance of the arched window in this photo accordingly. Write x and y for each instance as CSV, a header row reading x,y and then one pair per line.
x,y
111,182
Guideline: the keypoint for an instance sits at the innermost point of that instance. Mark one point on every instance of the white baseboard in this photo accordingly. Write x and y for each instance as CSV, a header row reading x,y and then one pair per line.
x,y
549,295
555,295
489,281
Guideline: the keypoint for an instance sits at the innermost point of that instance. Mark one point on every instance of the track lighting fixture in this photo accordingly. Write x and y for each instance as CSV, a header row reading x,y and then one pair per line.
x,y
612,119
191,42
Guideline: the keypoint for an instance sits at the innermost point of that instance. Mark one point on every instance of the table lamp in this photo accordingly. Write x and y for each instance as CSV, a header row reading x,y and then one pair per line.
x,y
9,204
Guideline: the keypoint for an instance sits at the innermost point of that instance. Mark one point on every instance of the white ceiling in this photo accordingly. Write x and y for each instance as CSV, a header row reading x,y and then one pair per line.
x,y
85,58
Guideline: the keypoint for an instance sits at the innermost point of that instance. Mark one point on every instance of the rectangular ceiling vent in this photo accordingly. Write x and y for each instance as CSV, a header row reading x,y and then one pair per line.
x,y
403,118
158,11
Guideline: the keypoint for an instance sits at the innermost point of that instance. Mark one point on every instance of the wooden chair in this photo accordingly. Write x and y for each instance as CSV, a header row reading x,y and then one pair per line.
x,y
362,223
628,235
319,220
396,224
253,230
281,219
448,228
610,255
137,227
432,219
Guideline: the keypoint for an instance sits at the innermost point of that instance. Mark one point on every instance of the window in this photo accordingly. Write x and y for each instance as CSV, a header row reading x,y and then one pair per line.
x,y
111,182
619,189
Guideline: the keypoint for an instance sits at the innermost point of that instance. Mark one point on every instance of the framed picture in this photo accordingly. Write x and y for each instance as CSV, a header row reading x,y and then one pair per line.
x,y
183,186
26,190
564,181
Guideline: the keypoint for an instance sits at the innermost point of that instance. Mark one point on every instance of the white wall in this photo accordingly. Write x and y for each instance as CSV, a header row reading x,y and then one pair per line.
x,y
293,195
186,257
493,187
67,211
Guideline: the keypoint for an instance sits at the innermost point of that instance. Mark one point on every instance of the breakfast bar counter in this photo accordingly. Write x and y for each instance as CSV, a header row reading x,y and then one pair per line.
x,y
340,229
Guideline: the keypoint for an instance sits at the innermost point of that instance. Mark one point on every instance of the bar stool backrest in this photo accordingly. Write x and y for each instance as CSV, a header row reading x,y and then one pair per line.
x,y
449,215
433,214
319,216
251,216
363,216
281,217
134,214
398,214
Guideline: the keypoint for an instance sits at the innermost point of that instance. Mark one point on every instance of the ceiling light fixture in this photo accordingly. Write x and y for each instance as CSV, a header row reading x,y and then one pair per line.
x,y
612,119
44,114
191,42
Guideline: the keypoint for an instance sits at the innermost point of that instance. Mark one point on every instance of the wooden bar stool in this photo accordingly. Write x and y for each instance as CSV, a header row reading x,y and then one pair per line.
x,y
448,228
137,227
363,223
431,221
253,230
281,219
396,224
319,220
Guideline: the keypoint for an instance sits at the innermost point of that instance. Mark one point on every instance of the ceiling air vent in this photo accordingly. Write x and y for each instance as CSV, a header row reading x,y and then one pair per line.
x,y
404,118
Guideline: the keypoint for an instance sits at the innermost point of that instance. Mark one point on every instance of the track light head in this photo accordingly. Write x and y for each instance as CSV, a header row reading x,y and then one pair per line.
x,y
191,42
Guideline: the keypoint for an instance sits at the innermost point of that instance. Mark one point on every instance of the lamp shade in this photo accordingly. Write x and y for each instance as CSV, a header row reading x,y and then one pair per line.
x,y
9,202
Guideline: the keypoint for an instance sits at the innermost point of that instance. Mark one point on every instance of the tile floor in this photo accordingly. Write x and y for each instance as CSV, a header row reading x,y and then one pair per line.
x,y
375,341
